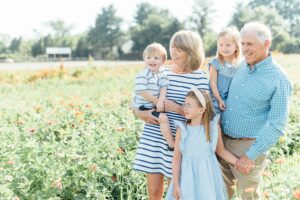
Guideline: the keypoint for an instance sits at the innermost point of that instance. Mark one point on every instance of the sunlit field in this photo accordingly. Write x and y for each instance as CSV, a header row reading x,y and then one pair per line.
x,y
69,134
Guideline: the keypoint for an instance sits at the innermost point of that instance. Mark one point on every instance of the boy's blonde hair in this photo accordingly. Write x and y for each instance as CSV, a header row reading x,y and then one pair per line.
x,y
232,33
191,43
155,49
208,113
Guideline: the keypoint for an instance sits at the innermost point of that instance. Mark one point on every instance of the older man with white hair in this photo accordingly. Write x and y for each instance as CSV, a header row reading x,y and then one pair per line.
x,y
256,113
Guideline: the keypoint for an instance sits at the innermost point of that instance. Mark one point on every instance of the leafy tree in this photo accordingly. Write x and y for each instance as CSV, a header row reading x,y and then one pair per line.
x,y
106,34
143,12
288,9
202,17
15,44
83,47
59,28
268,16
152,25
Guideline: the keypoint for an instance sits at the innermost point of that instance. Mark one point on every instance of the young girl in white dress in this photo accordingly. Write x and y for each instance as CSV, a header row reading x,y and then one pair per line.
x,y
196,171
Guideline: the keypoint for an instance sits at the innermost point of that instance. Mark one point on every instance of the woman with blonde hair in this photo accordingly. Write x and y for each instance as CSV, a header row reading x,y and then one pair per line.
x,y
152,156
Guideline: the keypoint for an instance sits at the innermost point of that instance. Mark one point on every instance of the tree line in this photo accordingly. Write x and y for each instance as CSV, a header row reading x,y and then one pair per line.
x,y
108,39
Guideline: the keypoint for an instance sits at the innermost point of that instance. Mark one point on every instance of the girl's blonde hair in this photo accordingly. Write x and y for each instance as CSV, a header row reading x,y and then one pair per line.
x,y
208,113
233,34
191,43
155,49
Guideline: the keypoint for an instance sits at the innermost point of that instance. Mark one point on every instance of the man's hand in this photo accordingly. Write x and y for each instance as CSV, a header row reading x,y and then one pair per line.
x,y
147,116
222,105
244,165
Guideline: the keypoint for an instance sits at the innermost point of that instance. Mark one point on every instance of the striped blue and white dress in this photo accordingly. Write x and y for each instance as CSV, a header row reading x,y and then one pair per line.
x,y
152,154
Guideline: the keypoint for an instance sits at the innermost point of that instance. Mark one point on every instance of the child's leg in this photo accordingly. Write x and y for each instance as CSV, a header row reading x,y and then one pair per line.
x,y
166,130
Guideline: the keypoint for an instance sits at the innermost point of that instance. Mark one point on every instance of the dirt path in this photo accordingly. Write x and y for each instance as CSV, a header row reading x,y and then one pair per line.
x,y
67,64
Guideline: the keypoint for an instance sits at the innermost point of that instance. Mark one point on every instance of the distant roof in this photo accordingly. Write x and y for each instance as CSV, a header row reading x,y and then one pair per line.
x,y
58,50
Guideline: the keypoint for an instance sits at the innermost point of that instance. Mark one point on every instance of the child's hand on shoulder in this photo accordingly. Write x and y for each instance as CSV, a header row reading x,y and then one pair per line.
x,y
160,107
176,193
222,105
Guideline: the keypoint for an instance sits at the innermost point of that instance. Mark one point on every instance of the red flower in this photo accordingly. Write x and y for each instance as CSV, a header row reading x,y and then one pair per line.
x,y
121,150
114,178
32,130
297,193
10,162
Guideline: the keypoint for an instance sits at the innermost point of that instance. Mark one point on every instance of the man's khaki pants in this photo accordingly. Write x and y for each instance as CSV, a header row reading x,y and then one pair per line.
x,y
246,185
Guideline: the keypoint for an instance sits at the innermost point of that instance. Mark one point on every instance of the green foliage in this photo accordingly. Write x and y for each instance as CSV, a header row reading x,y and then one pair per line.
x,y
152,25
288,9
291,45
268,16
68,134
201,19
106,34
15,44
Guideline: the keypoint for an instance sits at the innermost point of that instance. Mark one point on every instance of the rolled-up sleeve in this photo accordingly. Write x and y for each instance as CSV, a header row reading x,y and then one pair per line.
x,y
140,84
277,119
163,80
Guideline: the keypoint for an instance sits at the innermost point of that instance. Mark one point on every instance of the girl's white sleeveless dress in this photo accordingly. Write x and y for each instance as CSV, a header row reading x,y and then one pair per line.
x,y
200,176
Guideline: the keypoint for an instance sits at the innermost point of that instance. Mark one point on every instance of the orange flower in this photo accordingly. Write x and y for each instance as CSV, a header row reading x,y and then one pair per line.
x,y
19,122
250,189
88,106
266,173
266,194
120,129
50,122
280,160
121,150
15,198
93,168
297,193
38,109
78,113
10,162
32,130
57,183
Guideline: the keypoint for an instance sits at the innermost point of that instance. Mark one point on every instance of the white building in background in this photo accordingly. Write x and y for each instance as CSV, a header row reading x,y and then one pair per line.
x,y
59,53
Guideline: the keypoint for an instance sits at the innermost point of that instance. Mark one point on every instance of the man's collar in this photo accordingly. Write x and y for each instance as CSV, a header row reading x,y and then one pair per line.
x,y
262,64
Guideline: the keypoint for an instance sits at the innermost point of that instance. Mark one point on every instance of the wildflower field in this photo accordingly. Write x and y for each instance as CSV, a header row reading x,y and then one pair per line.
x,y
68,134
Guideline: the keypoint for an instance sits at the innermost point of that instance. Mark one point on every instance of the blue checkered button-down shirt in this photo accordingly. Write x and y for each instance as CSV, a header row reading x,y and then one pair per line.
x,y
257,105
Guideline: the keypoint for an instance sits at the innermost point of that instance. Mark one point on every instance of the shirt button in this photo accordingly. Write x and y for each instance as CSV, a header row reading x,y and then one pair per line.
x,y
236,97
227,122
230,108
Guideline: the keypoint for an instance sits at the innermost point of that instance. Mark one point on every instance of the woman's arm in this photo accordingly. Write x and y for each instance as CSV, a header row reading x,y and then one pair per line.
x,y
173,107
224,153
176,165
145,115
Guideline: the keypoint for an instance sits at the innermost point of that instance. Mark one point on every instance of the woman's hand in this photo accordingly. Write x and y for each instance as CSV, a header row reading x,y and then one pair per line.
x,y
173,107
222,105
146,116
176,193
160,107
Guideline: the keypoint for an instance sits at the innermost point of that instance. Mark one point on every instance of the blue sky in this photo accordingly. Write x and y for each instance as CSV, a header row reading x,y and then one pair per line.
x,y
20,18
